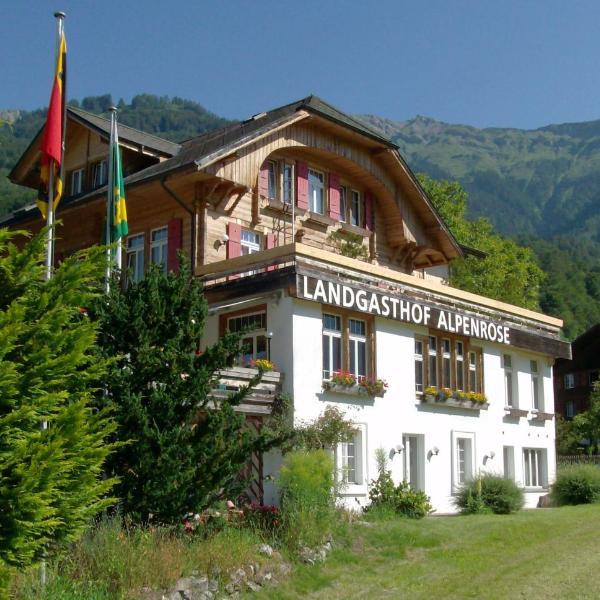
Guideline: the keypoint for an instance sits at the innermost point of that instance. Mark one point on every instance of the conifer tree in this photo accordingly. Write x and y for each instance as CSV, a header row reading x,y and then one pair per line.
x,y
181,450
51,480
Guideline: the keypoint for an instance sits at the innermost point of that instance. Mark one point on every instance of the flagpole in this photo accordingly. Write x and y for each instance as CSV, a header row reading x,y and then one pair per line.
x,y
110,199
60,16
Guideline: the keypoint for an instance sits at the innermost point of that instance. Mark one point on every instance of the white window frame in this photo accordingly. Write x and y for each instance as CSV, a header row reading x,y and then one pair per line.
x,y
313,200
569,381
460,364
354,342
432,361
288,187
535,468
570,410
358,487
328,335
537,391
509,382
469,471
419,385
100,173
77,177
161,246
254,335
473,371
250,242
413,447
356,208
272,179
343,204
135,258
508,462
446,363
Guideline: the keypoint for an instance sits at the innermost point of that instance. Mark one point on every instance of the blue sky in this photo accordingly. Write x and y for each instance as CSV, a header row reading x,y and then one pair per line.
x,y
484,63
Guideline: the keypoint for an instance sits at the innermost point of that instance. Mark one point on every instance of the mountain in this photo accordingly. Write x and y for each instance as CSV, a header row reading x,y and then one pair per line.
x,y
540,186
544,181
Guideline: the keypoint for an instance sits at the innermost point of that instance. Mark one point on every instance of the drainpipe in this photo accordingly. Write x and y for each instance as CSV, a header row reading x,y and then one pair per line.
x,y
189,210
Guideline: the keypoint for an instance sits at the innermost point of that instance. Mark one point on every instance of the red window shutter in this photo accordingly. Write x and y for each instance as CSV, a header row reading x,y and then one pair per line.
x,y
271,243
334,196
302,184
174,243
234,232
263,180
369,213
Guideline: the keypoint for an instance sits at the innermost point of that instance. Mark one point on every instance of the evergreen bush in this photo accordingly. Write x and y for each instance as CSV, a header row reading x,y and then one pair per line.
x,y
578,484
489,493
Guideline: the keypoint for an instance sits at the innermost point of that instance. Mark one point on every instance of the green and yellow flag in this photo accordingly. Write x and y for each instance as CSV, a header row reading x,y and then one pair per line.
x,y
119,211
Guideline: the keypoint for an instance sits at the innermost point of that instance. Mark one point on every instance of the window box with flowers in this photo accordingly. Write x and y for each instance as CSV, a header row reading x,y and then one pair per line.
x,y
344,382
455,398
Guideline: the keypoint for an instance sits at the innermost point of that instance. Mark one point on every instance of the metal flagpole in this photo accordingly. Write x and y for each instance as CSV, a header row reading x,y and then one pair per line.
x,y
110,199
115,150
60,16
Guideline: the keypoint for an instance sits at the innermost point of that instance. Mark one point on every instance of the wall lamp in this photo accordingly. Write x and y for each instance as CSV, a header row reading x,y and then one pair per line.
x,y
434,451
489,456
398,449
221,242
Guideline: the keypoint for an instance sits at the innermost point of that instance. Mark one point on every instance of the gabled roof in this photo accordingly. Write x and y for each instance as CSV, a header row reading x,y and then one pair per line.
x,y
129,134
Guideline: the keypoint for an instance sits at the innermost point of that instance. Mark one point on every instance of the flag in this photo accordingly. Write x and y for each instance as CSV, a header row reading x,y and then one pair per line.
x,y
52,138
118,210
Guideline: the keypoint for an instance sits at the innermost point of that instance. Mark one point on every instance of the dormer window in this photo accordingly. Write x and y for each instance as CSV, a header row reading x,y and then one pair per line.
x,y
100,174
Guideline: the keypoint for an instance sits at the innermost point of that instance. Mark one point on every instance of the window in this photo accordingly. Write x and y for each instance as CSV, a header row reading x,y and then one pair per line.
x,y
272,179
419,373
356,209
346,346
534,467
460,366
332,345
158,247
570,410
447,363
536,395
413,460
77,181
254,343
569,381
288,183
464,457
508,455
508,380
135,257
351,462
343,204
100,174
249,242
316,191
358,348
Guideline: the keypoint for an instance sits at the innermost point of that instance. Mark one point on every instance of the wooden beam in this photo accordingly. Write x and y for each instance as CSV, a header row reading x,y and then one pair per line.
x,y
242,191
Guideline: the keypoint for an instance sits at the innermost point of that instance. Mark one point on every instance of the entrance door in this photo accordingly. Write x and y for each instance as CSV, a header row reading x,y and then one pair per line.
x,y
413,460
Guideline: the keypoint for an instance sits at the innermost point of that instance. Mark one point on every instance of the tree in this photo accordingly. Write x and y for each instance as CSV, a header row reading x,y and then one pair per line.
x,y
51,481
182,450
587,424
508,273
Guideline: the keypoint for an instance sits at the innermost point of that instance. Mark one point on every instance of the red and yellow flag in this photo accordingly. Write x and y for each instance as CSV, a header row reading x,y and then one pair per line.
x,y
52,138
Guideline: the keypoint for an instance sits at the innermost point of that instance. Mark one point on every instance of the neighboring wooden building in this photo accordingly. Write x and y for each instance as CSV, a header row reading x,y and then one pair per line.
x,y
573,378
262,208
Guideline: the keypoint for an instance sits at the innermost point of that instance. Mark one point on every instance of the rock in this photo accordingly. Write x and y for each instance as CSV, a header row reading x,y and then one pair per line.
x,y
238,577
188,585
230,588
321,554
213,585
264,575
252,586
277,555
285,568
265,550
544,501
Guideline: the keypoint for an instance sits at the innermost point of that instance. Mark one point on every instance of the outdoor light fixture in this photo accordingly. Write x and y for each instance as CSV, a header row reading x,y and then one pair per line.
x,y
396,450
489,455
222,242
269,338
435,451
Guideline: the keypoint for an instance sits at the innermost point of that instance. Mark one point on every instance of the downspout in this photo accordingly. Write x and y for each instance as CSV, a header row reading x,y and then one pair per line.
x,y
192,213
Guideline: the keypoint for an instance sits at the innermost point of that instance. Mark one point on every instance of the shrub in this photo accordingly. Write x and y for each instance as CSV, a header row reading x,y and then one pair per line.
x,y
402,499
577,485
489,493
306,486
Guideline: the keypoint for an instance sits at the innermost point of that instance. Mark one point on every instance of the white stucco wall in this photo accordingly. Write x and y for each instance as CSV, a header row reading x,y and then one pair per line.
x,y
296,348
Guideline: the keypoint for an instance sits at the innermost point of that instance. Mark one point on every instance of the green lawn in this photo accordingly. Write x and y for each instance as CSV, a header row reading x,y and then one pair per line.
x,y
551,553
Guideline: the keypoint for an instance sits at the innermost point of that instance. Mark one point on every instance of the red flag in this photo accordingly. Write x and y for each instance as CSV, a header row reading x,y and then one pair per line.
x,y
52,138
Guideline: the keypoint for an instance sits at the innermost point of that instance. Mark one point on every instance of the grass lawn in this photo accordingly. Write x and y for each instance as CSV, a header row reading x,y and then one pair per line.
x,y
547,553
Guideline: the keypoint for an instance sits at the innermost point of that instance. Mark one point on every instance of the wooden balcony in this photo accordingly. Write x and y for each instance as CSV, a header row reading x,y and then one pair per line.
x,y
259,400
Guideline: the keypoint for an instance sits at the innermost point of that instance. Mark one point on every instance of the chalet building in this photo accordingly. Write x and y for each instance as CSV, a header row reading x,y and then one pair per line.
x,y
573,379
314,238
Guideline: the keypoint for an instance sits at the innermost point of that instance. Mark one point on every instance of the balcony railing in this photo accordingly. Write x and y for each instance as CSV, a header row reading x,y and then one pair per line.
x,y
259,400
